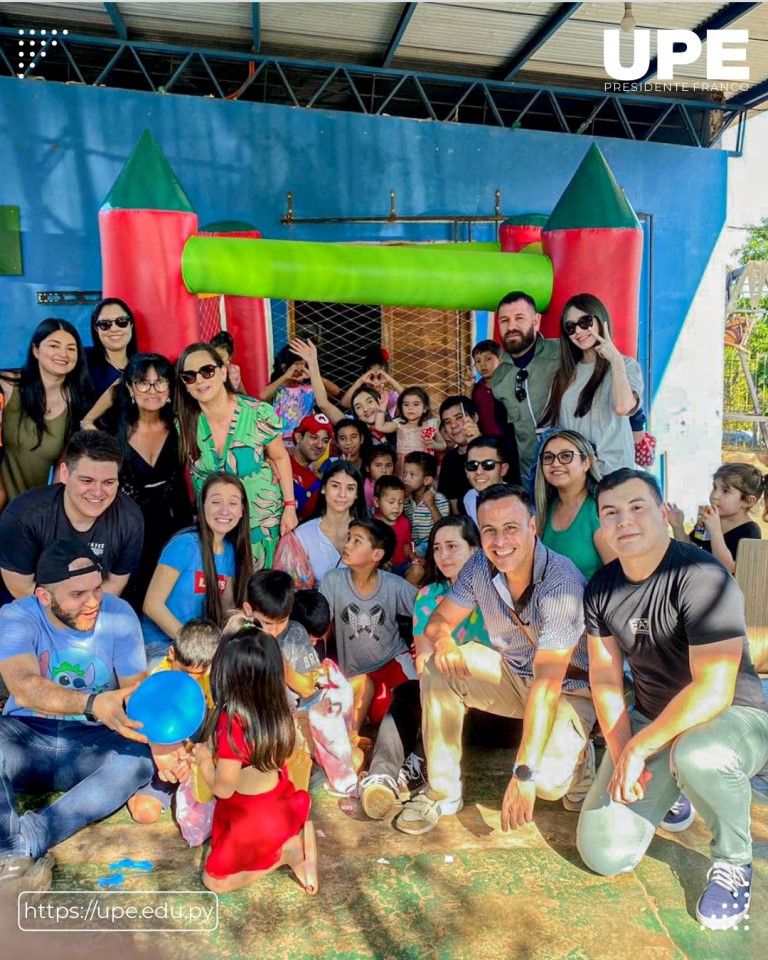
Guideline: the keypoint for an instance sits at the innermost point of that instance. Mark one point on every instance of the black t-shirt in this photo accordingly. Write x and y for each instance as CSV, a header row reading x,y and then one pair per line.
x,y
689,600
452,482
745,531
36,518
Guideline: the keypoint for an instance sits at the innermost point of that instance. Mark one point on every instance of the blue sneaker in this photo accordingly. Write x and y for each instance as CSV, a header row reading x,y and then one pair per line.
x,y
725,901
680,815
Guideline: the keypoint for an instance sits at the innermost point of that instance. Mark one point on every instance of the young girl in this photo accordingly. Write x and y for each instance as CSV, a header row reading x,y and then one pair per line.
x,y
415,428
203,572
736,488
353,440
366,404
290,391
260,822
376,374
380,462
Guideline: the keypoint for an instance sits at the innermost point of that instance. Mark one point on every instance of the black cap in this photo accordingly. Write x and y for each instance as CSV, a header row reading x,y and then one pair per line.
x,y
54,562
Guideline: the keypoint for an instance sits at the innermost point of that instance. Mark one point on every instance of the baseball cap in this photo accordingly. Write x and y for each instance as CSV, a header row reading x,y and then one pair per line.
x,y
314,423
54,562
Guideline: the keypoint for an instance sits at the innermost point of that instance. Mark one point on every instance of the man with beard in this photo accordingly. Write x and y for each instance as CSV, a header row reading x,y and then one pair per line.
x,y
523,378
71,655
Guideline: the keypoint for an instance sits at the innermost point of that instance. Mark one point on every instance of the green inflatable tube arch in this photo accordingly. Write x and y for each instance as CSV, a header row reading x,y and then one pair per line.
x,y
432,275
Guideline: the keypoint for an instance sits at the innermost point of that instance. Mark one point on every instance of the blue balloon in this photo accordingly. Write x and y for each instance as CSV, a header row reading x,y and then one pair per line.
x,y
170,704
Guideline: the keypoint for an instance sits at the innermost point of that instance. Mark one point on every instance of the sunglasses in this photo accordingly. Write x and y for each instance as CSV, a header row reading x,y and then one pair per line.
x,y
472,465
583,323
121,322
206,372
522,376
144,386
565,456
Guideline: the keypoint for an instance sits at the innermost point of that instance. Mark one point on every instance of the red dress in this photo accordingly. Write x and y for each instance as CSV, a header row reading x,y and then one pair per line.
x,y
249,831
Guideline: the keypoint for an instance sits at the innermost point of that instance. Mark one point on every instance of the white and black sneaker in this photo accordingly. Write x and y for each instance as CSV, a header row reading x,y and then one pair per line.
x,y
412,777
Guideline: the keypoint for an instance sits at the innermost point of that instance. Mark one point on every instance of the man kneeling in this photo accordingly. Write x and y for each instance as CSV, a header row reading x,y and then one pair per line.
x,y
700,725
531,599
64,726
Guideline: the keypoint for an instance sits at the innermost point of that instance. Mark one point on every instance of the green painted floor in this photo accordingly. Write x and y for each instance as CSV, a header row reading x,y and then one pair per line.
x,y
464,891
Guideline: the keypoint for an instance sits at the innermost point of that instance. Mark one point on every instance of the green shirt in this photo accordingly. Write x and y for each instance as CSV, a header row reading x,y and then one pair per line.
x,y
427,601
577,541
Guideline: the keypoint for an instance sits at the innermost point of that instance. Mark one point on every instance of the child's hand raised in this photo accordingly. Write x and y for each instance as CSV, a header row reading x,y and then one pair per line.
x,y
675,515
711,519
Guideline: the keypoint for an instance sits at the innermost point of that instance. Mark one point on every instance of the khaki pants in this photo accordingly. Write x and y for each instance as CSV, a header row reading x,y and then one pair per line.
x,y
493,687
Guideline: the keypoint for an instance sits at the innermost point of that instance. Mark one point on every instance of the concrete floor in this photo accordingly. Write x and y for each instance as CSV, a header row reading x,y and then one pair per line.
x,y
466,890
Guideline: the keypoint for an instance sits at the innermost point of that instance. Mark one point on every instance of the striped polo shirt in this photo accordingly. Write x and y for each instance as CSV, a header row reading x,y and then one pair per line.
x,y
551,609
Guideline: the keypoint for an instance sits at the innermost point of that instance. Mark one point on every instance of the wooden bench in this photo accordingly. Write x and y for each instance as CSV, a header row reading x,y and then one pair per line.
x,y
752,577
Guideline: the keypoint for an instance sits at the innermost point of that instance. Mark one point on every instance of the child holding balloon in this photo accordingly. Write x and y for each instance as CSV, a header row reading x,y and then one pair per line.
x,y
191,652
260,822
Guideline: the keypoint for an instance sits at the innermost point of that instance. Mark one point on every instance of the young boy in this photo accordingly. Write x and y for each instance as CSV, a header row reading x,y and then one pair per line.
x,y
365,603
311,611
491,413
389,502
424,506
192,651
487,464
270,601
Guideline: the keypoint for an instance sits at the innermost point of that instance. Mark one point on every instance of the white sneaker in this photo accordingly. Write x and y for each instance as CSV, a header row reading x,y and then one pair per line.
x,y
574,799
378,795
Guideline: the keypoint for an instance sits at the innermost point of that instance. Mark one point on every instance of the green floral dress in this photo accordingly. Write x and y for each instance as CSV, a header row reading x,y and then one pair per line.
x,y
254,425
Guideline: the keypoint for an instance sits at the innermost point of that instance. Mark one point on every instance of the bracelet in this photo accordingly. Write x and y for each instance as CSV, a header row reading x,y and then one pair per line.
x,y
290,503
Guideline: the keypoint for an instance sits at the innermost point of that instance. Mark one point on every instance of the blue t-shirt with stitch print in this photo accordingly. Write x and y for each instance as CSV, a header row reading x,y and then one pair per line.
x,y
186,601
86,661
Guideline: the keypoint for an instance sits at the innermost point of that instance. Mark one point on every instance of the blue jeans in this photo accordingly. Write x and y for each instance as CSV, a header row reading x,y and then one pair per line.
x,y
97,768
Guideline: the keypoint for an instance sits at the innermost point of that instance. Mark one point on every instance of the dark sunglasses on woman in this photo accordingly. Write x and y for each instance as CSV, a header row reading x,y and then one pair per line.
x,y
121,322
206,372
583,323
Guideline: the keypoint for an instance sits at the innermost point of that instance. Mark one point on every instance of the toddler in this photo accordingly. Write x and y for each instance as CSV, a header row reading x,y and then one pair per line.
x,y
415,427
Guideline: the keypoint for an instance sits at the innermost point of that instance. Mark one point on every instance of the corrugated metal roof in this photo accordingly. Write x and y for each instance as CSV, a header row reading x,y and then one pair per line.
x,y
449,36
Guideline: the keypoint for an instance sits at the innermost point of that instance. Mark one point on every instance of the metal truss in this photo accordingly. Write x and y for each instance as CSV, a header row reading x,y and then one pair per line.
x,y
372,91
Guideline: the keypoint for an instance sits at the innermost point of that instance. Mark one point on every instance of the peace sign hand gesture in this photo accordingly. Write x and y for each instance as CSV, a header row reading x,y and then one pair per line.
x,y
606,348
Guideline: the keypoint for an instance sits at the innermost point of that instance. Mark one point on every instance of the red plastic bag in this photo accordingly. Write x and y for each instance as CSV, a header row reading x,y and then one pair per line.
x,y
330,720
292,558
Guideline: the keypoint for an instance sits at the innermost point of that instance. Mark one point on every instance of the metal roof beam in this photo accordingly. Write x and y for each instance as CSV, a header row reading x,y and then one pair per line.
x,y
402,25
547,30
117,20
750,98
256,26
718,21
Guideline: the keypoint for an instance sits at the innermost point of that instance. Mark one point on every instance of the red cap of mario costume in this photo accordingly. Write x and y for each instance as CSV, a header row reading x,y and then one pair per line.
x,y
315,423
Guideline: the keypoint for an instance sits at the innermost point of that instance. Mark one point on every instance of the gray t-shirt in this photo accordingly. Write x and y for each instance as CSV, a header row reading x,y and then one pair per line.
x,y
610,433
297,650
367,634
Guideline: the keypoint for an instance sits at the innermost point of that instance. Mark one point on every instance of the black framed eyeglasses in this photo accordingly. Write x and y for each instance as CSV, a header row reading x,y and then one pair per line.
x,y
520,392
121,322
583,323
471,466
206,372
564,457
144,386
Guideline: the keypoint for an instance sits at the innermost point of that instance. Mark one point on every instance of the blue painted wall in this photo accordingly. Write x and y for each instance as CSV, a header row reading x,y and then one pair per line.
x,y
61,148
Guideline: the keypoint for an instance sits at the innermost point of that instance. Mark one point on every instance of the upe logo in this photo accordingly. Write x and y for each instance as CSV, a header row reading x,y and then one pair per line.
x,y
676,48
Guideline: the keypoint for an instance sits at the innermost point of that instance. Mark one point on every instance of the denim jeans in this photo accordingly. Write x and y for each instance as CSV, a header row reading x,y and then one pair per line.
x,y
97,768
711,764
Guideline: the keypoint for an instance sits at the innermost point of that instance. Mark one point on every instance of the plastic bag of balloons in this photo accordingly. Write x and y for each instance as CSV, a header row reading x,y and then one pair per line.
x,y
291,557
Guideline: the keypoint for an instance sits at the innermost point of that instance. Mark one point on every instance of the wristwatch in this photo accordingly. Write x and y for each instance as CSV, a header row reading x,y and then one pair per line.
x,y
524,773
88,711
